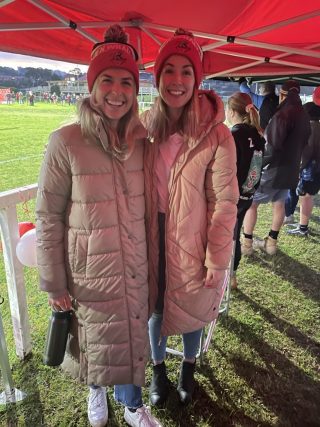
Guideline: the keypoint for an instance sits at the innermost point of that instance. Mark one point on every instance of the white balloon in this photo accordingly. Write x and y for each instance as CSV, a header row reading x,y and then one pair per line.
x,y
26,249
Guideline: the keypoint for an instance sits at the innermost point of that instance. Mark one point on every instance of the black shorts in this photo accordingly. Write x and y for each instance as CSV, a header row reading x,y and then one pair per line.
x,y
310,187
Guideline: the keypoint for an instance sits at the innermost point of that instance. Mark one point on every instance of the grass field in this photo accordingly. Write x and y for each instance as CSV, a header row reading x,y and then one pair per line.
x,y
262,368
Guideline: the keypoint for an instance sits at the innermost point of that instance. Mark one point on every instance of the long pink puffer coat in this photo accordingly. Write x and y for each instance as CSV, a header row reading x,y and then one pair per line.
x,y
200,220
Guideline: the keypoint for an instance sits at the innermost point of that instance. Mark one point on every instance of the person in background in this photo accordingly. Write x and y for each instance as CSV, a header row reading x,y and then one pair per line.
x,y
191,199
31,98
286,136
266,100
247,134
309,182
91,241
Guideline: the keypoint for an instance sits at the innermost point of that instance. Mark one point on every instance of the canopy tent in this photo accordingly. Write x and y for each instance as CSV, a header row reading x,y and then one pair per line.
x,y
239,37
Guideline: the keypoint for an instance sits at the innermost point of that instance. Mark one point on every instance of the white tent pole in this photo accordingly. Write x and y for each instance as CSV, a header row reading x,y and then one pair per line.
x,y
275,61
284,49
232,70
62,19
6,2
273,27
59,25
239,40
149,33
148,64
139,49
252,64
34,26
282,23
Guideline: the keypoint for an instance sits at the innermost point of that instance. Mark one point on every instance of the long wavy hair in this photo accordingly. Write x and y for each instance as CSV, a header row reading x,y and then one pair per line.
x,y
157,121
242,104
120,141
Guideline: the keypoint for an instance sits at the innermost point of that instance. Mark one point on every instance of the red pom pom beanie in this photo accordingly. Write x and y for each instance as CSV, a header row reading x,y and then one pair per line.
x,y
316,96
112,55
180,44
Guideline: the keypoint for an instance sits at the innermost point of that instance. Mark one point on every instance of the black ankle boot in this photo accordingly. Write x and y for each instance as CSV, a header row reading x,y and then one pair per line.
x,y
159,387
186,382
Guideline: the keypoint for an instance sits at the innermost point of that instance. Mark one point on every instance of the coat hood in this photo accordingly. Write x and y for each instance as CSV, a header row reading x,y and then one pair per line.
x,y
211,112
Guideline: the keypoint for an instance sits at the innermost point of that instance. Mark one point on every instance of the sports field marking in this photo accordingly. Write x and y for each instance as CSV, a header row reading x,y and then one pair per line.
x,y
20,158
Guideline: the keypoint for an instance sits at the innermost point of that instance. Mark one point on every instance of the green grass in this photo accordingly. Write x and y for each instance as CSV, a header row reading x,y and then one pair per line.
x,y
262,368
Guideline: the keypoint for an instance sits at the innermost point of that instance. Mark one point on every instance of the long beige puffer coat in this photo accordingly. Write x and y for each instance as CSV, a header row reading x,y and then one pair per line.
x,y
200,220
91,241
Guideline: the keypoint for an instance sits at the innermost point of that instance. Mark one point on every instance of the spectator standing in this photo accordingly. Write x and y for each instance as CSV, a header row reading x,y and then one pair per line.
x,y
266,100
286,135
247,134
31,98
309,182
20,97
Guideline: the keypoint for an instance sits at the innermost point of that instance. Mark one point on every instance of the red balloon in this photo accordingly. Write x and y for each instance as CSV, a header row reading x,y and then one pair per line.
x,y
24,227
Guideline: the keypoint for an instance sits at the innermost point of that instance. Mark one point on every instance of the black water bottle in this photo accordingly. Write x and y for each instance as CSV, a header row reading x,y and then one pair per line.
x,y
59,325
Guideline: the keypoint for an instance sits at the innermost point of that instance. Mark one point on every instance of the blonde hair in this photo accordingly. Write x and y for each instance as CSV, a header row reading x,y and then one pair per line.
x,y
241,103
120,142
157,121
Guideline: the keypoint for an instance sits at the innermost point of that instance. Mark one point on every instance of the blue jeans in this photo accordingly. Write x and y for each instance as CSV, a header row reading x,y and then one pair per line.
x,y
128,395
191,340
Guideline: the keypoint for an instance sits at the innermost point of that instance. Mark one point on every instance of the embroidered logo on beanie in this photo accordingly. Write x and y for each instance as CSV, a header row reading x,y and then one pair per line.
x,y
118,58
184,46
112,54
180,44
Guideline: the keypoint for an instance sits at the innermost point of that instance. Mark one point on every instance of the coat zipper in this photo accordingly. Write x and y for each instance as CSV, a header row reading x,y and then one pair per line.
x,y
123,268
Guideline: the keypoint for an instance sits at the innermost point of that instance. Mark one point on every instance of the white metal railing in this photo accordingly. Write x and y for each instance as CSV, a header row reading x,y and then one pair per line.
x,y
13,268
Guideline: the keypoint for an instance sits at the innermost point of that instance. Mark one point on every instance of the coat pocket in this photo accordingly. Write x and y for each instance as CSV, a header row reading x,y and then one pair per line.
x,y
80,254
200,246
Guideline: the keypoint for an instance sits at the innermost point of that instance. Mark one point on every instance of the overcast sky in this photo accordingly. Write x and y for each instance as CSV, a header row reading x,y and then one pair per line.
x,y
14,61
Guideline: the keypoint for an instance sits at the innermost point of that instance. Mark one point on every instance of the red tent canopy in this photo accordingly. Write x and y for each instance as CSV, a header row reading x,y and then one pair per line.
x,y
239,37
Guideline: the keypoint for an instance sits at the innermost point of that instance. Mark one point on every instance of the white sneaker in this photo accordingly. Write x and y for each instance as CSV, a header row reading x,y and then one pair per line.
x,y
288,220
141,418
97,407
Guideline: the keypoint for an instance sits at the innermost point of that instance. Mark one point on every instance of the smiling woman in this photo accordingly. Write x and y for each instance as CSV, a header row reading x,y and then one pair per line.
x,y
191,196
91,241
114,93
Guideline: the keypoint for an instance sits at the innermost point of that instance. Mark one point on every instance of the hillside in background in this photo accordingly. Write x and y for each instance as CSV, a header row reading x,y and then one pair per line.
x,y
29,77
24,78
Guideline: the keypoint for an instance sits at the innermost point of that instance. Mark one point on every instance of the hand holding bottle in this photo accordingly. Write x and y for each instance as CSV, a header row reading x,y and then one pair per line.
x,y
61,303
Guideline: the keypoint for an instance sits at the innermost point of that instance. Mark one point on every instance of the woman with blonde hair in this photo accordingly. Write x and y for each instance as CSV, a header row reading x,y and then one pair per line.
x,y
191,197
91,240
248,136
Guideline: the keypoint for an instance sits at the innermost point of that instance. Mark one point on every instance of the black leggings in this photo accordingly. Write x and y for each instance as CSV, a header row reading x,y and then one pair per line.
x,y
243,206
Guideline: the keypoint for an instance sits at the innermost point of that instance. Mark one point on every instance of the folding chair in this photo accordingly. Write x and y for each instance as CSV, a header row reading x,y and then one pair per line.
x,y
208,331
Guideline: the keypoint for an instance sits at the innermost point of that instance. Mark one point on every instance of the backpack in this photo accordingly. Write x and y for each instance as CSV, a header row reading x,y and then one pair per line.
x,y
254,174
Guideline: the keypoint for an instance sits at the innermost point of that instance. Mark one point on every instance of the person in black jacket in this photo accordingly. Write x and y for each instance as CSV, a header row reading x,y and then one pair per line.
x,y
286,134
247,134
309,182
